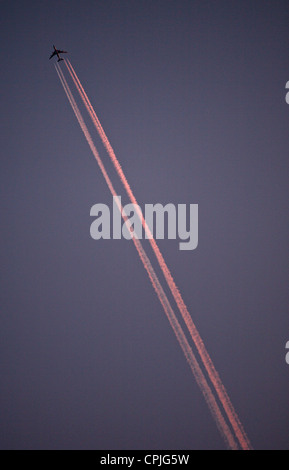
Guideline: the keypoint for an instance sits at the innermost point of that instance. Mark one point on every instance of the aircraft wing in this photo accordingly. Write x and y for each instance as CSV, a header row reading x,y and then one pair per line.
x,y
62,52
53,54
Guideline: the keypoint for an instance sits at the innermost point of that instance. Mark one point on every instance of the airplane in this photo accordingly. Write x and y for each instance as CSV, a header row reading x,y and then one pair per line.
x,y
57,52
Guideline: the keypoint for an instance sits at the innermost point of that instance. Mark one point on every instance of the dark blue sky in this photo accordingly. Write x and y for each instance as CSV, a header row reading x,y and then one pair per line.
x,y
192,97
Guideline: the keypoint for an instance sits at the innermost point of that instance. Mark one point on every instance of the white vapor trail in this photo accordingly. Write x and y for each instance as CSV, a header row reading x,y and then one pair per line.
x,y
204,355
199,376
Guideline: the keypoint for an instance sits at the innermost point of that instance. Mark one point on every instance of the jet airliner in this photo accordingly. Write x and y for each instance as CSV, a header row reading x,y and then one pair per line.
x,y
57,52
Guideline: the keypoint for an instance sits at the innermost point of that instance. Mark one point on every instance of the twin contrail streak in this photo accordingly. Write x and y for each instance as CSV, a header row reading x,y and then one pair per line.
x,y
212,373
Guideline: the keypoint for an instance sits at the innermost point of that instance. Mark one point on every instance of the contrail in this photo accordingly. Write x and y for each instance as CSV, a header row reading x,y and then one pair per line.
x,y
198,374
204,355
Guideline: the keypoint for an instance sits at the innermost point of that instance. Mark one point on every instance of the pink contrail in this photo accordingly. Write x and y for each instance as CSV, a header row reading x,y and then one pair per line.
x,y
208,364
199,376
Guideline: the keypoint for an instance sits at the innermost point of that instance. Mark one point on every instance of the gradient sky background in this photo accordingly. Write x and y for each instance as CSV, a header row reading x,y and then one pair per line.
x,y
192,97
